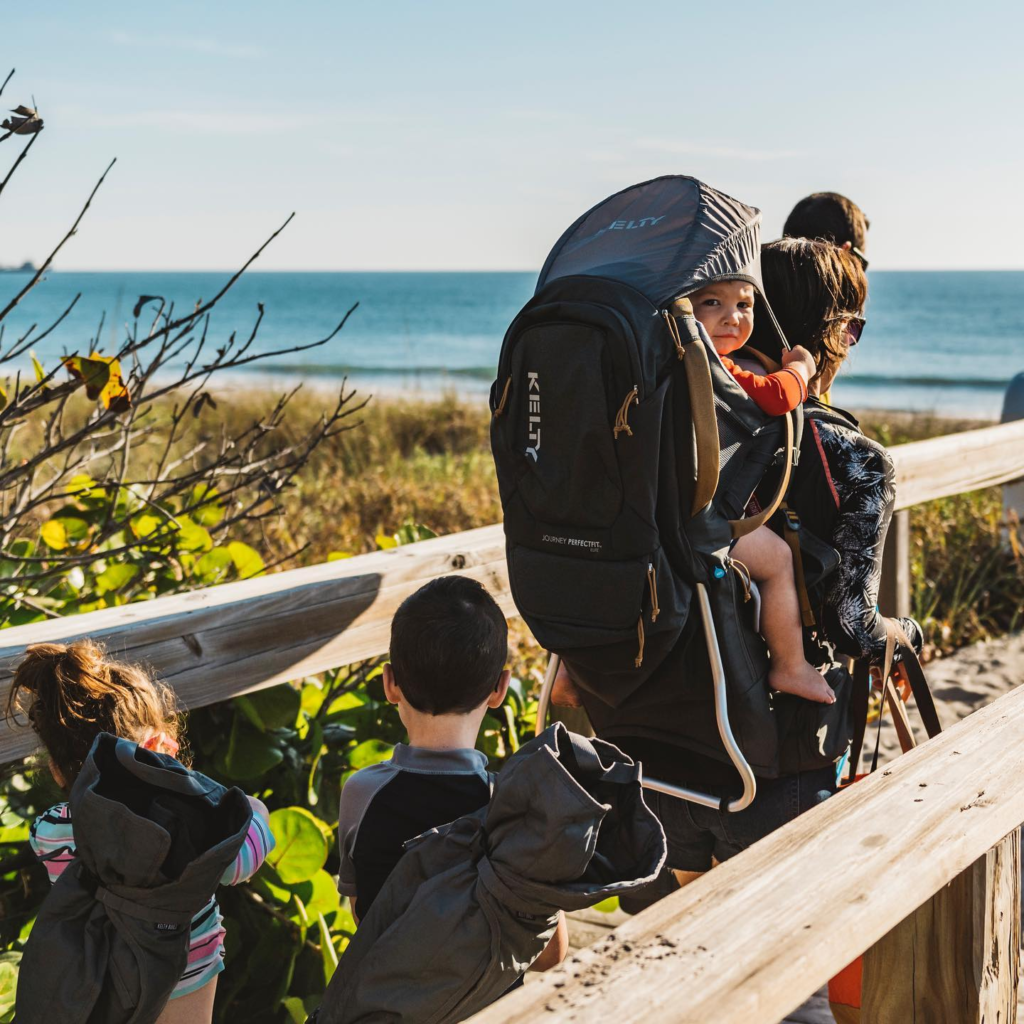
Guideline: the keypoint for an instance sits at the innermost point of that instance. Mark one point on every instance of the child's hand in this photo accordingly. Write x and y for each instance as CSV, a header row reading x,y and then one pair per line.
x,y
799,359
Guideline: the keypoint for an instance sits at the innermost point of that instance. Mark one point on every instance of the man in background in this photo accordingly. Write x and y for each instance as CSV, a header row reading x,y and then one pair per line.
x,y
832,217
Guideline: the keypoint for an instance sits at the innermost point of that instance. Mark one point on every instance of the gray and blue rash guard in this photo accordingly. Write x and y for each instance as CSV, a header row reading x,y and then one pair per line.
x,y
386,804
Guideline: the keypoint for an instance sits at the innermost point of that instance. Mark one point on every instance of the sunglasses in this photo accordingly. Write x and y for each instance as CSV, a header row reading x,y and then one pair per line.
x,y
863,259
854,326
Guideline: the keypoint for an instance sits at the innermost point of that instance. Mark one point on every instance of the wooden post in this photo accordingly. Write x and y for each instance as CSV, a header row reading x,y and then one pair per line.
x,y
894,592
956,957
1013,492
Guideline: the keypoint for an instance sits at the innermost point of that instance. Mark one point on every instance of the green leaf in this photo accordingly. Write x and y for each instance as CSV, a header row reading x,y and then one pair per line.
x,y
608,906
114,577
247,560
312,698
347,702
145,524
214,564
276,707
192,536
250,753
327,949
296,1009
369,752
38,368
9,963
210,511
54,535
301,848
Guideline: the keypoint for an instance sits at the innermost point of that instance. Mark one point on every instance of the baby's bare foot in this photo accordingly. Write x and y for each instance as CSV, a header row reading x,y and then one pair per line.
x,y
803,681
564,693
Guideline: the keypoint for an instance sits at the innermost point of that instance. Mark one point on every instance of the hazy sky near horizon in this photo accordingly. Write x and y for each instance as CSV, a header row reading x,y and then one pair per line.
x,y
468,135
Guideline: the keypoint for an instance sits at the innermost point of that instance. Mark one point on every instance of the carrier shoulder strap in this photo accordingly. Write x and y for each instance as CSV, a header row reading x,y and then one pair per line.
x,y
702,401
741,527
919,687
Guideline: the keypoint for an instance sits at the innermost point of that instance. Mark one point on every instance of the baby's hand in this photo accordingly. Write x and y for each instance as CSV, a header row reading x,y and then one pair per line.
x,y
799,359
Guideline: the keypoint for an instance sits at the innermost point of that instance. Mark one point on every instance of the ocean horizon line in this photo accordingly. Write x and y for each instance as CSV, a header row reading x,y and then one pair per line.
x,y
426,271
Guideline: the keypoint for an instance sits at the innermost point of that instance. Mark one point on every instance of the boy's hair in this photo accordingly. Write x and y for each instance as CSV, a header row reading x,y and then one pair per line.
x,y
829,216
449,645
810,285
71,693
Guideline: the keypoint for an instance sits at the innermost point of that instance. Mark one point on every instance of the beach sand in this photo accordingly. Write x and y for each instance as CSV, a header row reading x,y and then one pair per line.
x,y
961,683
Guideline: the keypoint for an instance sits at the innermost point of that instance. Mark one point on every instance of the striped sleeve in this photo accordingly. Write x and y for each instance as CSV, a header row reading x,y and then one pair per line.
x,y
259,841
52,839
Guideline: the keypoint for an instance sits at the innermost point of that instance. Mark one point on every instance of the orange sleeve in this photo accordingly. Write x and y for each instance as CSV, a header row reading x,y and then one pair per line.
x,y
776,394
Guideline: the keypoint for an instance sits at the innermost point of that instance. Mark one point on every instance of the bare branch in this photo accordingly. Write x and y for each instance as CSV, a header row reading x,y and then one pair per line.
x,y
60,245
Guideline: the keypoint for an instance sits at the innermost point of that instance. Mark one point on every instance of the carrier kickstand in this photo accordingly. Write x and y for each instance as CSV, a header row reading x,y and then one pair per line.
x,y
721,714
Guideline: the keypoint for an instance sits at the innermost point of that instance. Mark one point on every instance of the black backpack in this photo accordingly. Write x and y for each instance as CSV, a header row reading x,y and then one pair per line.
x,y
625,455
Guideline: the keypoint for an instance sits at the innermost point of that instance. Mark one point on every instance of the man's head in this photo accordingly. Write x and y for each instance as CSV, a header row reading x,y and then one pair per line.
x,y
449,645
833,218
726,309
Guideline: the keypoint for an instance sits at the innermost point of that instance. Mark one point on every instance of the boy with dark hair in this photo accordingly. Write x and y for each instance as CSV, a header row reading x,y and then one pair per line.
x,y
832,218
449,645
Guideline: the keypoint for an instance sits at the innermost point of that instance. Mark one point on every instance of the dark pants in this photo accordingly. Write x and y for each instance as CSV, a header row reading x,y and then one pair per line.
x,y
696,834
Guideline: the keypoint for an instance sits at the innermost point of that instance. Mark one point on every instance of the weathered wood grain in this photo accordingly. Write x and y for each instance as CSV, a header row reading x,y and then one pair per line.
x,y
957,463
215,643
751,940
955,958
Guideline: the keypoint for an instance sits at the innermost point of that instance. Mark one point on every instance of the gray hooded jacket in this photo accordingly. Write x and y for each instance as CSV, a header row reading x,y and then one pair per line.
x,y
472,904
152,841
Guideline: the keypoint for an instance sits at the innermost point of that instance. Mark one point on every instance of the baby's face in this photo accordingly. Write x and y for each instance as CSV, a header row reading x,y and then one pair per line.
x,y
726,309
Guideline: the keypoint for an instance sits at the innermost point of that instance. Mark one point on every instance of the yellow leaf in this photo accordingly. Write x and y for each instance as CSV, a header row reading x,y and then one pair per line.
x,y
38,367
54,535
102,378
384,542
3,399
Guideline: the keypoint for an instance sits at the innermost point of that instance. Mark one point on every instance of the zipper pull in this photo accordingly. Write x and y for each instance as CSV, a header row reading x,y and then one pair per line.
x,y
621,423
673,329
504,398
652,581
639,659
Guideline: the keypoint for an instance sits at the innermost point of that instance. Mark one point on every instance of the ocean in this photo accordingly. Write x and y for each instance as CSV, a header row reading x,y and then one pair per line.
x,y
943,341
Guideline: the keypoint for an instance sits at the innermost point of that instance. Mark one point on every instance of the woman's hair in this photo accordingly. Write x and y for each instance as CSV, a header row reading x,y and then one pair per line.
x,y
71,693
810,286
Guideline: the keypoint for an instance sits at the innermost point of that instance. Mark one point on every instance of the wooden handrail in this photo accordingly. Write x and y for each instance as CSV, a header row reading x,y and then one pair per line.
x,y
219,642
223,641
748,942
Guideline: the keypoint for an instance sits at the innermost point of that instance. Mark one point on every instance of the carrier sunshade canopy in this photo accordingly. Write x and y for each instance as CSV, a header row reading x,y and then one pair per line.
x,y
665,237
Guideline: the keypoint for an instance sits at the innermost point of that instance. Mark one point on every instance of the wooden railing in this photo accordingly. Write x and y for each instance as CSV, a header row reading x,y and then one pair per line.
x,y
223,641
918,865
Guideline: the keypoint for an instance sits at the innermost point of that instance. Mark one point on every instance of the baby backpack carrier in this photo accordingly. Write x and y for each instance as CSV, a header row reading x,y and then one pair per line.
x,y
153,840
626,455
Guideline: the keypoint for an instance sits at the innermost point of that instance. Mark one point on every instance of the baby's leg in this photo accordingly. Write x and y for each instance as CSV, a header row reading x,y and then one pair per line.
x,y
768,558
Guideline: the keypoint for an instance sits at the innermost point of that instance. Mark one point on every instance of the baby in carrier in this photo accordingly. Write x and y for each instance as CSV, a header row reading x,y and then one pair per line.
x,y
726,309
72,693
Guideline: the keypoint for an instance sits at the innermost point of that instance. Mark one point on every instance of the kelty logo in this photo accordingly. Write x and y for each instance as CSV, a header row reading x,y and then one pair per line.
x,y
533,410
629,225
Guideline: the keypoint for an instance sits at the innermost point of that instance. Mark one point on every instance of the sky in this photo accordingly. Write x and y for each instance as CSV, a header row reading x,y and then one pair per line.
x,y
450,135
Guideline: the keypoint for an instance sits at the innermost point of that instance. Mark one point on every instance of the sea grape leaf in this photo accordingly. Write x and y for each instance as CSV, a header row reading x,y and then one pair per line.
x,y
250,753
102,378
54,535
247,560
301,849
369,752
114,577
273,708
